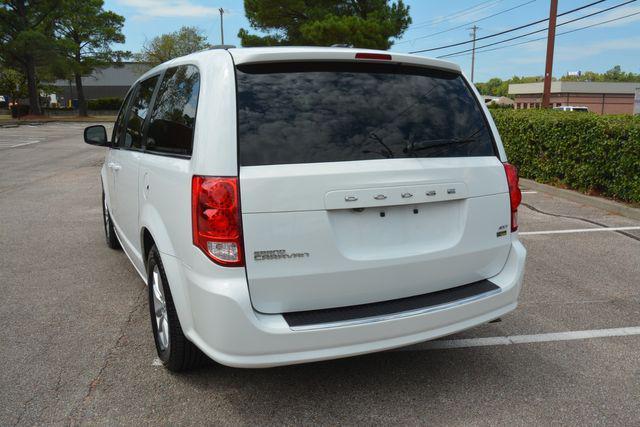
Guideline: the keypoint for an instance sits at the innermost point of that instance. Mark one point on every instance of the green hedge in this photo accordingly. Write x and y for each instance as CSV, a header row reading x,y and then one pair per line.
x,y
493,106
104,103
582,151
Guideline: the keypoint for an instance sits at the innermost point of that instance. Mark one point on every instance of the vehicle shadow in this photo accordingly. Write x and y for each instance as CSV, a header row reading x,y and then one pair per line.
x,y
406,386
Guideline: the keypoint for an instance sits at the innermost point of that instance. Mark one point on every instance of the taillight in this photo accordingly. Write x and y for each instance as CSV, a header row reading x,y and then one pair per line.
x,y
515,196
215,218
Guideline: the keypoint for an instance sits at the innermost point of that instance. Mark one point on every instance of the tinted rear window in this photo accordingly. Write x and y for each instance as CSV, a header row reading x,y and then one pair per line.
x,y
329,112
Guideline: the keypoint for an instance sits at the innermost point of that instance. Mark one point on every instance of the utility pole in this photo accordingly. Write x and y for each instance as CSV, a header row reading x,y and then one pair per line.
x,y
551,40
474,29
221,26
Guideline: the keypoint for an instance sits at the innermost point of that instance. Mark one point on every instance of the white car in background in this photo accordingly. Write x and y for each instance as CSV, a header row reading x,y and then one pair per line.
x,y
289,205
572,108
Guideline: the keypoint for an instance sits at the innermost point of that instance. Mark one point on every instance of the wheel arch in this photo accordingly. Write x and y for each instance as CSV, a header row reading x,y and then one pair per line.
x,y
152,227
147,243
103,183
153,236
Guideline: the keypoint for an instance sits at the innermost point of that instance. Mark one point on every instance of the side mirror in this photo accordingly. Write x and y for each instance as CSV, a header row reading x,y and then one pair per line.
x,y
96,135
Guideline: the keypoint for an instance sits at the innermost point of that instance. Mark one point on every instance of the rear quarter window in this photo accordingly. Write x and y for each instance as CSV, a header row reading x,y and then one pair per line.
x,y
173,118
329,112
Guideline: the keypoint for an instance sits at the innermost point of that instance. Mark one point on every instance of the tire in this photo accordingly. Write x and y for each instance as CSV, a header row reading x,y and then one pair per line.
x,y
175,351
109,232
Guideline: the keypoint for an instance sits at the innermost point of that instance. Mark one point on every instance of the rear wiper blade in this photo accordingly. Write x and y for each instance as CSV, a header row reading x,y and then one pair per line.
x,y
432,143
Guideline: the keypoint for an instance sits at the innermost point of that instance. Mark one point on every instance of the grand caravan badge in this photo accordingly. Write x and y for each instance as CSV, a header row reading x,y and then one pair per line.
x,y
277,254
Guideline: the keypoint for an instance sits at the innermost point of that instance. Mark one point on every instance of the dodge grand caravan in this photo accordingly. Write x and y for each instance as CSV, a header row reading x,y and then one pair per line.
x,y
289,205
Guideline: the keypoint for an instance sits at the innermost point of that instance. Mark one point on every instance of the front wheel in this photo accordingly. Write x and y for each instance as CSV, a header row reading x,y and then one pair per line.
x,y
175,351
109,232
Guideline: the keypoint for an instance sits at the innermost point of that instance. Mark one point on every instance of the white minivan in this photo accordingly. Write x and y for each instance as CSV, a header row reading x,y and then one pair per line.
x,y
290,204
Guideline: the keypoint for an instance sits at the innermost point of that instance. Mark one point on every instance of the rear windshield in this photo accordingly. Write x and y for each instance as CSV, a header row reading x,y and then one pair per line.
x,y
331,112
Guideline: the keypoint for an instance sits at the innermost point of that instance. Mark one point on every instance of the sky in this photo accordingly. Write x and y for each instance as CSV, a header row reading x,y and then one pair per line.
x,y
595,49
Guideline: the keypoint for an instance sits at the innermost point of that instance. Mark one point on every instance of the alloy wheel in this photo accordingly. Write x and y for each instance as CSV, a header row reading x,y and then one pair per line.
x,y
160,310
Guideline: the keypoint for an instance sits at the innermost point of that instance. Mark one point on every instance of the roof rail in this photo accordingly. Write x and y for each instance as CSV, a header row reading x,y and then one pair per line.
x,y
222,46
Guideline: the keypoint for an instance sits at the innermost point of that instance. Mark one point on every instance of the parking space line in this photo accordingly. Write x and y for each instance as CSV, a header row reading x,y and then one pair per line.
x,y
528,339
529,192
578,230
24,143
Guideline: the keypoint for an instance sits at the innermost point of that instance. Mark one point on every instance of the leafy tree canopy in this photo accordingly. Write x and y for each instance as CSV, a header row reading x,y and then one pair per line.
x,y
85,34
172,45
499,87
26,39
615,74
12,83
360,23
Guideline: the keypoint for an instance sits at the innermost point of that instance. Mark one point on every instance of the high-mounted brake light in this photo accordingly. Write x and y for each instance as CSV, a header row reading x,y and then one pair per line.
x,y
378,56
215,218
515,196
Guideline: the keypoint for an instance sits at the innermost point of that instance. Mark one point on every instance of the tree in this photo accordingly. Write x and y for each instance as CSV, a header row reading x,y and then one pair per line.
x,y
12,83
172,45
494,87
85,34
26,39
614,74
360,23
499,87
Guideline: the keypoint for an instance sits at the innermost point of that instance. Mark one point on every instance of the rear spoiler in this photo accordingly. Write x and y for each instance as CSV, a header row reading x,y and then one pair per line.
x,y
303,54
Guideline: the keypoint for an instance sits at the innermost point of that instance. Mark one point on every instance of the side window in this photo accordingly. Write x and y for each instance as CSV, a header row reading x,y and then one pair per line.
x,y
174,114
117,127
138,111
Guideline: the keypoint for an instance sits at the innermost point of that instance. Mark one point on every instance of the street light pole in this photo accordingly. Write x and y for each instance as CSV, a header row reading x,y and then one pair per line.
x,y
221,26
551,39
474,29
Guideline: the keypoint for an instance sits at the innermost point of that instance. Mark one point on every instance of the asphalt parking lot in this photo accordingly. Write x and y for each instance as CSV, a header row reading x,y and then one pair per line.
x,y
77,347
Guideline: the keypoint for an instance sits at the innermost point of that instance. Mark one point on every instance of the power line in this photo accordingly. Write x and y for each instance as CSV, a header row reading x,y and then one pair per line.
x,y
457,14
544,38
437,21
540,30
468,23
515,29
511,29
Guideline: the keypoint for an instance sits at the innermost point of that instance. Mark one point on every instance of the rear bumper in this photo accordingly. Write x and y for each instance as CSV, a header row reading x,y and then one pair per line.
x,y
224,325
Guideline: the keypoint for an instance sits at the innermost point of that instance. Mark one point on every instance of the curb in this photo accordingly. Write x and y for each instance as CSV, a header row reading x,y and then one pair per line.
x,y
574,196
41,122
18,124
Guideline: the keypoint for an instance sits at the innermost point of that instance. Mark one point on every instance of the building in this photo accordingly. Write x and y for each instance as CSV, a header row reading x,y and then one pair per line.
x,y
599,97
112,81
